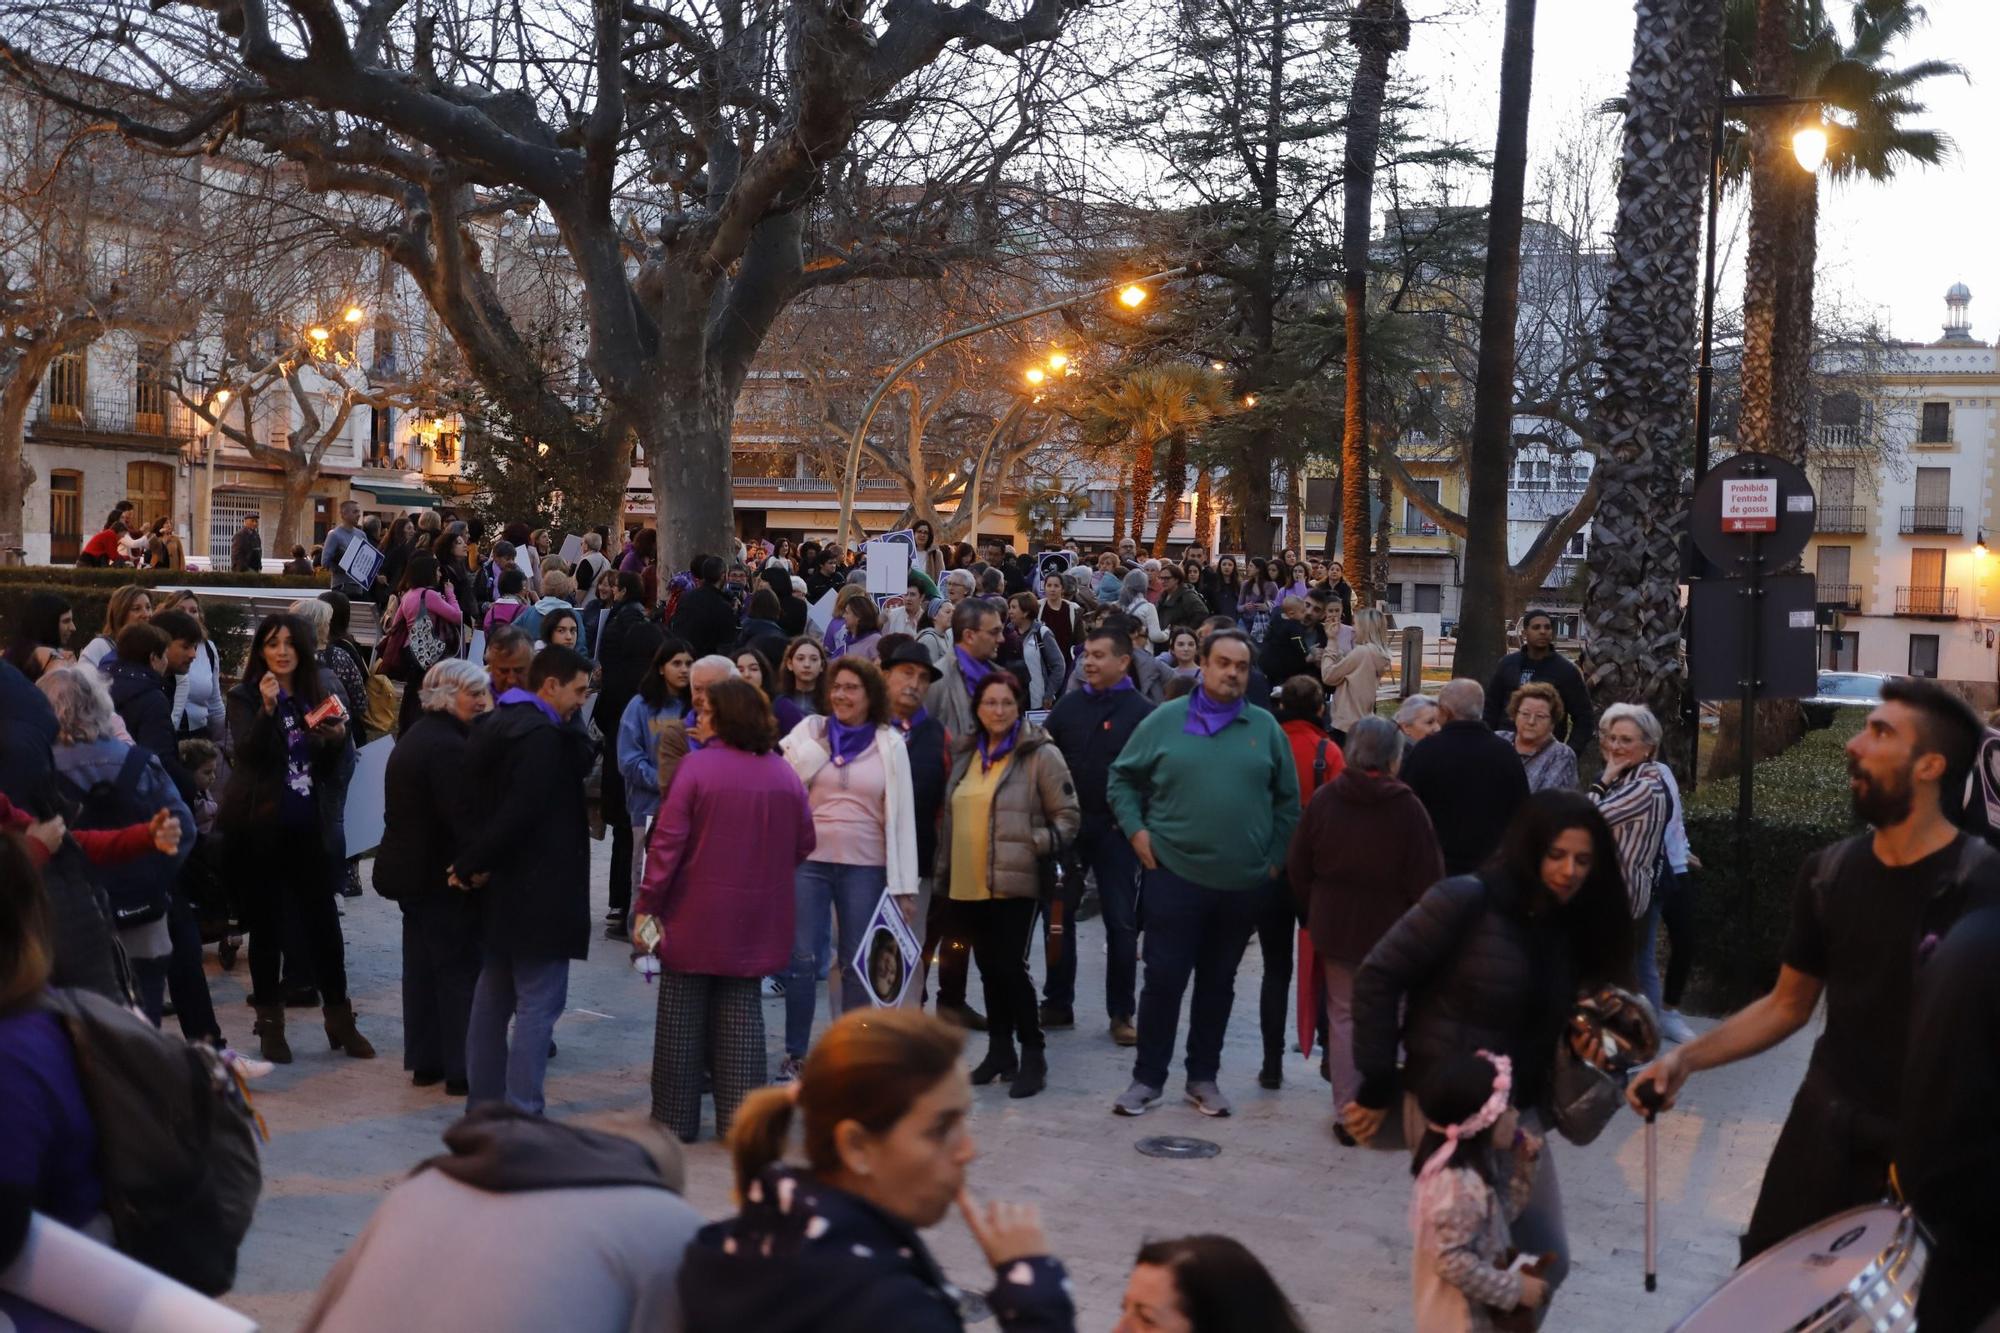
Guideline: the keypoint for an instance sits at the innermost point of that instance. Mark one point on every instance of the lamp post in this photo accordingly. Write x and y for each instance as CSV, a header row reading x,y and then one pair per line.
x,y
1809,148
1131,294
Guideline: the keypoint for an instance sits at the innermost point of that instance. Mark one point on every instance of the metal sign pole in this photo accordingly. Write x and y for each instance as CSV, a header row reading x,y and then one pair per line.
x,y
1753,633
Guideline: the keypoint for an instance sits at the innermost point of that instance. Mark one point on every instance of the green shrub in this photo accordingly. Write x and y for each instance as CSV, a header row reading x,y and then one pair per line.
x,y
111,577
229,622
1800,804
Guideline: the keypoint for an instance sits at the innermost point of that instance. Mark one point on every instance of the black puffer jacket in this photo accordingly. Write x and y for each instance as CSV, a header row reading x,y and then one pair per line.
x,y
1483,966
625,648
532,833
427,808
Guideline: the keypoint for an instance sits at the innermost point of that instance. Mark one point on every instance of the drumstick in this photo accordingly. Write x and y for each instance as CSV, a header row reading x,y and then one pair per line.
x,y
1649,1097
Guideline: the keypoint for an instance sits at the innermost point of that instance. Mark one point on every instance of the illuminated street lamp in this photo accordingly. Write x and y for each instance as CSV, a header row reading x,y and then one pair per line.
x,y
1809,147
1133,296
1058,361
1035,375
1249,400
353,314
318,333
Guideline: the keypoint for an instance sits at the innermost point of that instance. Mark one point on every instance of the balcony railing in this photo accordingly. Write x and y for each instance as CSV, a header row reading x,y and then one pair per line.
x,y
105,415
1840,518
1839,596
1946,519
1840,437
1939,602
1419,527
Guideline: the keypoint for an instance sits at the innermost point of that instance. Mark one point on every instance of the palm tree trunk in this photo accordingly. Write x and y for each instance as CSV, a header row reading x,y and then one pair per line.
x,y
1170,498
1632,609
1482,603
1378,30
1142,485
1295,517
1791,405
1774,185
1119,504
1204,510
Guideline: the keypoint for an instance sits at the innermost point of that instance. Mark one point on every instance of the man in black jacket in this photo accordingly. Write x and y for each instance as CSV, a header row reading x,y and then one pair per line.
x,y
1286,644
706,617
1469,780
428,815
246,549
1538,659
529,861
1090,726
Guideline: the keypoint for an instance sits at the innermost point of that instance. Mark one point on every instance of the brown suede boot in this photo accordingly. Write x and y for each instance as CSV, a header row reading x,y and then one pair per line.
x,y
341,1033
270,1029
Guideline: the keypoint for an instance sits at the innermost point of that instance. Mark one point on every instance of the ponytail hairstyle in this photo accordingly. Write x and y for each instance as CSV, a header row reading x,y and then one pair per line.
x,y
869,1067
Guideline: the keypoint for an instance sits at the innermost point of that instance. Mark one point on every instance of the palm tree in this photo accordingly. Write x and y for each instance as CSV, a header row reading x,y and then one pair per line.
x,y
1378,29
1151,406
1632,610
1792,46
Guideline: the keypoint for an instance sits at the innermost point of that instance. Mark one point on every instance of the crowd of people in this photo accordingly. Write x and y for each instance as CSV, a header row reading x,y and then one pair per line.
x,y
1194,753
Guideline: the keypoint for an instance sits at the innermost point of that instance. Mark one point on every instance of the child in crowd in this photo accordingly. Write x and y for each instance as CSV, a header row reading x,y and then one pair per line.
x,y
509,606
202,883
1475,1169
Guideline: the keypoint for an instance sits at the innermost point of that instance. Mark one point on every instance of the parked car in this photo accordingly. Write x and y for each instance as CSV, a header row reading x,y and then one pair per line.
x,y
1842,689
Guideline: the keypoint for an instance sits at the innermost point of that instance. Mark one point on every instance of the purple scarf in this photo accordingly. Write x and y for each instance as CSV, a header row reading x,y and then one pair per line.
x,y
972,671
846,743
1124,683
521,696
911,723
1206,717
990,757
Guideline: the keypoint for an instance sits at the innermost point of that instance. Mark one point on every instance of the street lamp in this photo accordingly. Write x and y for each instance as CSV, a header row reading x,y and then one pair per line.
x,y
1058,361
1809,147
1034,375
353,314
318,333
221,401
1132,294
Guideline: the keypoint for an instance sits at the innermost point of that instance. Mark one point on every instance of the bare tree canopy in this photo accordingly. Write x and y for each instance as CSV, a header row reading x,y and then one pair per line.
x,y
699,164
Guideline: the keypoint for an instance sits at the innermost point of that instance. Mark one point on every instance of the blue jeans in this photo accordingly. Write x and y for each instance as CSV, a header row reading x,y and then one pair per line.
x,y
1103,849
1646,961
851,893
1198,932
532,992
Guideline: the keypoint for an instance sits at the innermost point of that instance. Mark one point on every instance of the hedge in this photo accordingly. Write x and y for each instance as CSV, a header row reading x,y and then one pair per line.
x,y
108,577
1801,804
229,622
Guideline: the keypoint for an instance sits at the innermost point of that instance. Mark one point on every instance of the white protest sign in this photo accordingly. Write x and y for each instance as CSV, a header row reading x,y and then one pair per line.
x,y
887,958
820,614
572,550
360,561
888,568
366,805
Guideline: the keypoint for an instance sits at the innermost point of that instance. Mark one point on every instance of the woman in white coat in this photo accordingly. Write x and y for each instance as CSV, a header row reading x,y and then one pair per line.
x,y
1133,602
857,778
1353,678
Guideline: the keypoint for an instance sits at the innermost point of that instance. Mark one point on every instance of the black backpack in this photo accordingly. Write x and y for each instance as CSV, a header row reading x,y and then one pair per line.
x,y
139,892
176,1140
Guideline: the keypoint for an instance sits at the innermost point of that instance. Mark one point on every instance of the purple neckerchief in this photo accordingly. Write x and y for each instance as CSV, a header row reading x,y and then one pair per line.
x,y
689,721
909,724
971,670
1124,683
1205,716
846,743
521,696
990,757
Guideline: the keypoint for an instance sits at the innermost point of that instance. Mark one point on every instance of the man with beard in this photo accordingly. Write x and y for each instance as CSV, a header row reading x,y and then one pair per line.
x,y
1867,915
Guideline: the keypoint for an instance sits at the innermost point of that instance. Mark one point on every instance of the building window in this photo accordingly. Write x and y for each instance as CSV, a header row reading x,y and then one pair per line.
x,y
149,392
1530,474
322,518
1392,597
1924,656
229,509
1578,546
65,399
381,436
65,517
1103,502
150,488
1936,426
1572,476
1429,598
1414,522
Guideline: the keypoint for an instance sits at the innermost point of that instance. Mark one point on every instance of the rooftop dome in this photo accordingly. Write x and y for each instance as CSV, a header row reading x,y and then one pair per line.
x,y
1959,294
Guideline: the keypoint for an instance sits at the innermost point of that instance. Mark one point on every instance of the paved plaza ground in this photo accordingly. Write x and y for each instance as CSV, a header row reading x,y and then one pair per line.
x,y
1330,1222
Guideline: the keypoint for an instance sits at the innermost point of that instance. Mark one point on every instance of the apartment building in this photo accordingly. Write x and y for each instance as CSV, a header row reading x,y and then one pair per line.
x,y
1905,477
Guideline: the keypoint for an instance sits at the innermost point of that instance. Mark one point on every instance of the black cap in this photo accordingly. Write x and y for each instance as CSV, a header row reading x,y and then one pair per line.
x,y
913,654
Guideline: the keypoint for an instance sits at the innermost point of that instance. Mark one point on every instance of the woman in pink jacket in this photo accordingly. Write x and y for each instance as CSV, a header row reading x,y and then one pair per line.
x,y
731,833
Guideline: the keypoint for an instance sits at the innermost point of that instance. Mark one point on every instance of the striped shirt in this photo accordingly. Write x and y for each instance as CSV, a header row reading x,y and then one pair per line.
x,y
1638,807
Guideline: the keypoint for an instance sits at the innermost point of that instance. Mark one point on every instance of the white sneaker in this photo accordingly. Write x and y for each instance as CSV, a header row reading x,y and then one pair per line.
x,y
249,1066
773,988
1675,1028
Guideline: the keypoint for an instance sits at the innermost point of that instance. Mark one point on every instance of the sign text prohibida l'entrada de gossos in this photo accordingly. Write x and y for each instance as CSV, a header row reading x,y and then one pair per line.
x,y
1750,504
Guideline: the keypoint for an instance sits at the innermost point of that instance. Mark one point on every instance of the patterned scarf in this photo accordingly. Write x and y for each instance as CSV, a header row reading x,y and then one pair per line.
x,y
1205,716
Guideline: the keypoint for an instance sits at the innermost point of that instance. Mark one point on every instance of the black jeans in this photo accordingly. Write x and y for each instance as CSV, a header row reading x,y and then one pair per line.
x,y
619,821
187,983
945,940
285,880
1192,933
1103,848
440,968
1677,904
1832,1154
1277,932
1000,930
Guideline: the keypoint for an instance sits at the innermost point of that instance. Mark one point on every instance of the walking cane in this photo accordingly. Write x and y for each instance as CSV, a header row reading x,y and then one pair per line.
x,y
1649,1097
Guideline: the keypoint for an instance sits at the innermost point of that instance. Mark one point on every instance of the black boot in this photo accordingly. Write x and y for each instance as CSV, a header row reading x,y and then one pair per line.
x,y
270,1031
1034,1075
1000,1064
1272,1075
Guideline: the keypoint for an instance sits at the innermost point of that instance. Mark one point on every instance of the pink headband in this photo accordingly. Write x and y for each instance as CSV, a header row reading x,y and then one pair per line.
x,y
1481,1120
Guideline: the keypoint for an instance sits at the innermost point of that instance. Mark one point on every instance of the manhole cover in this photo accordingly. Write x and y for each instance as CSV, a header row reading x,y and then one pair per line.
x,y
1175,1145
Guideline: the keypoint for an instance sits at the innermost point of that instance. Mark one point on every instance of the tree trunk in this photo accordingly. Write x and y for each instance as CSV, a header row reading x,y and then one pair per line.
x,y
1378,570
1632,612
1378,29
1295,511
1252,492
1481,639
1119,506
1204,510
1775,181
294,493
1170,498
1791,405
1142,486
687,457
17,392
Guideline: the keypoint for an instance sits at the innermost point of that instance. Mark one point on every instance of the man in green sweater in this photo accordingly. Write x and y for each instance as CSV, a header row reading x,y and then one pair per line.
x,y
1206,791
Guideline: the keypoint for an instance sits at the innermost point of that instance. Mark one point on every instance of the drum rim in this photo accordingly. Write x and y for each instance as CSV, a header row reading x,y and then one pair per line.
x,y
1906,1230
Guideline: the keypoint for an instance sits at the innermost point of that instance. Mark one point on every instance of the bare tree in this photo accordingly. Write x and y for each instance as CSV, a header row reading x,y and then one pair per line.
x,y
695,161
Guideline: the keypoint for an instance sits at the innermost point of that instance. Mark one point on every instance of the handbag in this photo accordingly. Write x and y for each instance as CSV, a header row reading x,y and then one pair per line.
x,y
389,652
427,643
1619,1031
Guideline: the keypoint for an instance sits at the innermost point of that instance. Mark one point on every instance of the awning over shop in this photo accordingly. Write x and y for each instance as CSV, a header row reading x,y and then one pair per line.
x,y
390,496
